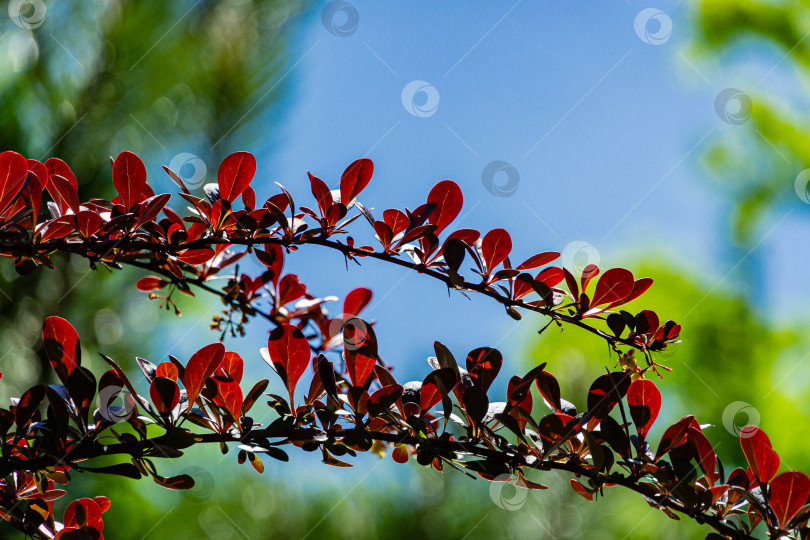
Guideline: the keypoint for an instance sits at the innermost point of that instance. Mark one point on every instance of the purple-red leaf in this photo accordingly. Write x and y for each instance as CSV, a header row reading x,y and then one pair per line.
x,y
129,178
447,197
13,172
762,458
644,400
354,180
200,367
788,493
496,246
234,175
289,352
614,285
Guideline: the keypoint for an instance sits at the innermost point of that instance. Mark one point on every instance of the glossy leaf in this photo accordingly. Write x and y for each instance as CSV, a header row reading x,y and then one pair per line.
x,y
235,174
289,352
129,178
355,179
644,400
447,197
200,367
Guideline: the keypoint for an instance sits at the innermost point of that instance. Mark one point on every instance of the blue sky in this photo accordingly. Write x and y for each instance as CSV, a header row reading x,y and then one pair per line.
x,y
605,130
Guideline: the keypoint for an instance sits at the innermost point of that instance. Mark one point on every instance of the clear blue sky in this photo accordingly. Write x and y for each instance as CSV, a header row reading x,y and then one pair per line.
x,y
605,131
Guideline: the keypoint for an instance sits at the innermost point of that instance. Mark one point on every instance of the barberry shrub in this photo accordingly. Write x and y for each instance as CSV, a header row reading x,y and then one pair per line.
x,y
340,397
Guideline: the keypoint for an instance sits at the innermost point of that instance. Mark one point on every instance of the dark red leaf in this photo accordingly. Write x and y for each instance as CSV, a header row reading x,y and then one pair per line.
x,y
496,246
13,172
358,365
614,285
200,367
550,389
606,392
322,194
235,174
644,400
395,219
538,260
639,287
483,365
762,458
354,180
551,276
675,435
64,193
129,178
150,283
196,256
289,352
788,494
61,346
356,301
165,394
447,197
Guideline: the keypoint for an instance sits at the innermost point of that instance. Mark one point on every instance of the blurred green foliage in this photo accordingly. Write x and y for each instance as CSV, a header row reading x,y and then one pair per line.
x,y
95,78
759,165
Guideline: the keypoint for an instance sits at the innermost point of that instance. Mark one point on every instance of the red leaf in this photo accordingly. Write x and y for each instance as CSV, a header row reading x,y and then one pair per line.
x,y
588,273
167,369
707,459
675,435
289,289
57,166
200,367
762,459
788,493
359,366
538,260
88,222
13,172
614,285
64,193
235,174
447,197
355,178
150,283
496,246
129,178
644,400
249,198
88,516
580,489
396,219
483,365
61,346
551,276
639,287
322,194
356,301
165,394
289,352
196,256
